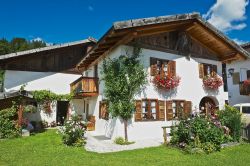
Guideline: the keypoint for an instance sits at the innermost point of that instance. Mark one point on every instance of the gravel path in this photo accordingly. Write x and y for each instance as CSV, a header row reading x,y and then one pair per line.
x,y
100,144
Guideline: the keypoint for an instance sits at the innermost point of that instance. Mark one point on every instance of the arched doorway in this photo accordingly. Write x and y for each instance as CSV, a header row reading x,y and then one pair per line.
x,y
209,105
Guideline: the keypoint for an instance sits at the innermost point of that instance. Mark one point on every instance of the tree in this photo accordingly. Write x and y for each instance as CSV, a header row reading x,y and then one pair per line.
x,y
4,47
19,44
123,77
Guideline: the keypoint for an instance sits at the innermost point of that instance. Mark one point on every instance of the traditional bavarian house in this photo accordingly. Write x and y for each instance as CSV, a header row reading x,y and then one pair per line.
x,y
183,49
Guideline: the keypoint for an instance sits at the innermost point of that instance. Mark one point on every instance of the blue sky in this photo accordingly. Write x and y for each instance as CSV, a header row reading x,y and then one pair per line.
x,y
59,21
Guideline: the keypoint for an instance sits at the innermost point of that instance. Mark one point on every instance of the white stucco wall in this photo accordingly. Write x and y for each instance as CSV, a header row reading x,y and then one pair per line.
x,y
233,90
41,115
56,82
190,88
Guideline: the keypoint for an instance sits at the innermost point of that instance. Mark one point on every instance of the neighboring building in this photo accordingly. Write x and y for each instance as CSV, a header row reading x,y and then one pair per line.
x,y
238,72
49,68
182,45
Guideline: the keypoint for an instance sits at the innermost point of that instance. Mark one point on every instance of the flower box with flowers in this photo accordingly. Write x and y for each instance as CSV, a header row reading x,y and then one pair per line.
x,y
166,82
212,82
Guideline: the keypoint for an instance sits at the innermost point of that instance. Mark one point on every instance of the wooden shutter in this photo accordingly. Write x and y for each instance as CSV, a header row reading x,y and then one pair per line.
x,y
171,68
236,78
103,110
153,66
169,109
201,70
161,110
214,70
187,108
138,110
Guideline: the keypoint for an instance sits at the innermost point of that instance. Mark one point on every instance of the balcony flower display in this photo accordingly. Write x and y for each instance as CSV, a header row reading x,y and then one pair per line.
x,y
212,82
166,82
246,83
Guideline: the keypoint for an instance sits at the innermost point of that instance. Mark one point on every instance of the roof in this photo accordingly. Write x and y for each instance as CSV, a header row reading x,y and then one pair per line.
x,y
22,53
245,45
16,93
125,31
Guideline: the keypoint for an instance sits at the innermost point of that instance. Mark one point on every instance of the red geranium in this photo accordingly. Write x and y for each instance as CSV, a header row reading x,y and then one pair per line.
x,y
166,82
212,82
246,83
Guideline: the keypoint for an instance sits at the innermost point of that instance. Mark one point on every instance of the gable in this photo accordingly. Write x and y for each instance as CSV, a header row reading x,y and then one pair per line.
x,y
177,42
122,33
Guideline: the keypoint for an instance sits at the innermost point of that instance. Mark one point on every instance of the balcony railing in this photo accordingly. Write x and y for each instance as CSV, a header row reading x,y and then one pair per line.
x,y
85,87
245,88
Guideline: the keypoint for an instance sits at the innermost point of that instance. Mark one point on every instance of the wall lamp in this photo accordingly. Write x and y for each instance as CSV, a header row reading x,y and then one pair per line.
x,y
230,72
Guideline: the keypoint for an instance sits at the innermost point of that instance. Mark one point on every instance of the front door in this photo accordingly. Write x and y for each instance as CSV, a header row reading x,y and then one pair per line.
x,y
62,110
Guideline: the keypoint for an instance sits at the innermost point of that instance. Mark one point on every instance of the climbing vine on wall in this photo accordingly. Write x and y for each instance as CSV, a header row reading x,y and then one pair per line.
x,y
45,98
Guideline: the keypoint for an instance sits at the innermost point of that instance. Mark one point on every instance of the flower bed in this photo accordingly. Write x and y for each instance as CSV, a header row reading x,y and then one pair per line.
x,y
166,82
212,83
207,134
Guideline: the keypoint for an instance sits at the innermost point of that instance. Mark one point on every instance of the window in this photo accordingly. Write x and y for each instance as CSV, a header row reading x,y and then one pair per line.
x,y
245,110
178,109
150,110
207,70
162,67
153,109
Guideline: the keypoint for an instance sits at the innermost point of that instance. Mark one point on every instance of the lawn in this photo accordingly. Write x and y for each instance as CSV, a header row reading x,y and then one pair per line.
x,y
46,149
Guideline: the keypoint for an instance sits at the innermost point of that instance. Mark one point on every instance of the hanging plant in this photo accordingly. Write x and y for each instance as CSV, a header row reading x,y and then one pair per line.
x,y
246,83
212,82
166,82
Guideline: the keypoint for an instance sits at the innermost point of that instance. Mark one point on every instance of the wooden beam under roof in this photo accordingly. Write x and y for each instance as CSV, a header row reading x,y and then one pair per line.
x,y
125,39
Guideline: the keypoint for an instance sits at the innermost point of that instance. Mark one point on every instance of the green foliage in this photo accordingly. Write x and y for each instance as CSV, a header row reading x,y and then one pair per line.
x,y
45,95
73,132
124,78
122,141
231,117
197,133
19,44
8,127
30,109
46,148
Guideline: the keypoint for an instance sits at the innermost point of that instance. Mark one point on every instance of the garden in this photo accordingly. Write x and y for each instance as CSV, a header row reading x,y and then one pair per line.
x,y
47,148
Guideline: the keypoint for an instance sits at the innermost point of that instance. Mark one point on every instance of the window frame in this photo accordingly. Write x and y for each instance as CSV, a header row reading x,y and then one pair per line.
x,y
148,107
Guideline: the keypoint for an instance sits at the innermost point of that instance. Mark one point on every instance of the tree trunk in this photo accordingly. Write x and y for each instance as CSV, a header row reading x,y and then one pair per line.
x,y
126,130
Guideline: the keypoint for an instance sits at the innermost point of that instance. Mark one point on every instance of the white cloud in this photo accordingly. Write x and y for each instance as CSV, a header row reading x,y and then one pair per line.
x,y
90,8
40,39
37,39
228,15
240,42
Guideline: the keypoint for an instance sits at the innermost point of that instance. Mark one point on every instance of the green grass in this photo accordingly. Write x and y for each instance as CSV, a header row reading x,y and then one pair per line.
x,y
46,149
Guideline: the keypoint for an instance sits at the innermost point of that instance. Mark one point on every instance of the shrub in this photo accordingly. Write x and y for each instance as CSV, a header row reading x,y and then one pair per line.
x,y
231,118
73,132
8,126
197,133
122,141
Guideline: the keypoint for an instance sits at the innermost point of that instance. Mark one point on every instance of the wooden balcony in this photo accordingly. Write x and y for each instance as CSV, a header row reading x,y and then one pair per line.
x,y
84,87
244,89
